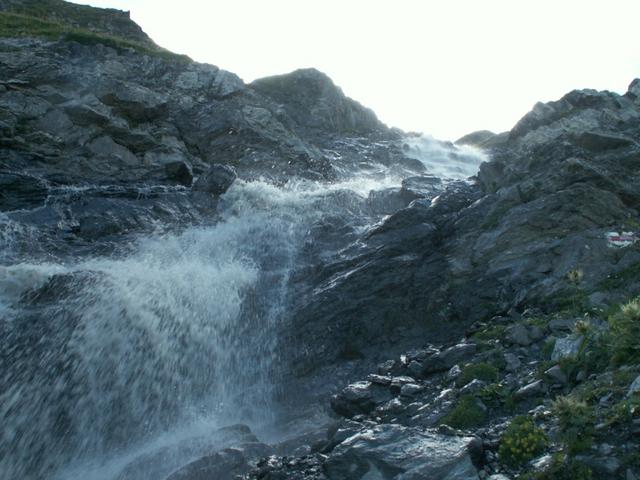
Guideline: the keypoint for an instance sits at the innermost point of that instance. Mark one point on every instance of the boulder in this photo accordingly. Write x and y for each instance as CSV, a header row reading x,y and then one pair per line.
x,y
227,464
449,357
216,180
634,388
179,172
512,361
403,453
567,347
360,398
556,373
530,390
519,334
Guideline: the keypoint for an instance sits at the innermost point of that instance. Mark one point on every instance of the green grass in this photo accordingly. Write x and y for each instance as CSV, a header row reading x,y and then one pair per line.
x,y
497,395
521,442
576,424
466,414
625,332
477,371
622,278
18,25
492,332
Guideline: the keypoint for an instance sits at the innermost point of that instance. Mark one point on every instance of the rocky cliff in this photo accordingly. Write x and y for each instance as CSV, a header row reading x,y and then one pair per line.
x,y
143,194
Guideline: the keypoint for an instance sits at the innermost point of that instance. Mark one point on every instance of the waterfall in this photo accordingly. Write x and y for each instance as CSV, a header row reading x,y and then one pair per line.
x,y
110,354
104,351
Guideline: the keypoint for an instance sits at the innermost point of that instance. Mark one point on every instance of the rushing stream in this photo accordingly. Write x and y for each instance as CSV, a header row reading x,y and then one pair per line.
x,y
108,357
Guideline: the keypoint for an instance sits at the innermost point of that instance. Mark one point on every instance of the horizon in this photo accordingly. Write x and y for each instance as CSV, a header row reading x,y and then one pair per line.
x,y
492,63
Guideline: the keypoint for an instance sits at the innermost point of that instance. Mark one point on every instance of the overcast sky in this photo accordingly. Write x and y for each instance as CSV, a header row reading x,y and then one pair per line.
x,y
443,67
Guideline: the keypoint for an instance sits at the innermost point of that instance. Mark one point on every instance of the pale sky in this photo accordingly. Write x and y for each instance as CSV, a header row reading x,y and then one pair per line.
x,y
442,67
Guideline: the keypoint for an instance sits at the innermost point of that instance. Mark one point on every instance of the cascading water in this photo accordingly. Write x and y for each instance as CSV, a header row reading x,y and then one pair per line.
x,y
107,352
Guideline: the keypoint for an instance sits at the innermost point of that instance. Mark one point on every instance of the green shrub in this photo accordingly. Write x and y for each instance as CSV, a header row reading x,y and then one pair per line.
x,y
493,332
576,424
622,278
625,332
547,348
467,413
624,411
521,442
480,371
497,395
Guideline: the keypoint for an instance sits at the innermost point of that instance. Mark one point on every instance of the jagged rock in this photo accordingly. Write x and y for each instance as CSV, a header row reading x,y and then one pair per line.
x,y
314,102
562,324
473,386
216,180
512,361
390,200
279,468
410,389
226,452
134,102
446,359
556,374
605,466
227,464
180,172
18,191
567,347
478,139
359,398
379,379
519,334
530,390
105,148
454,372
634,388
396,451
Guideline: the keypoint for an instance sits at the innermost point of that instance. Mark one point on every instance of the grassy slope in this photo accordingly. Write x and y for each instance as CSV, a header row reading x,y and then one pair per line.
x,y
24,25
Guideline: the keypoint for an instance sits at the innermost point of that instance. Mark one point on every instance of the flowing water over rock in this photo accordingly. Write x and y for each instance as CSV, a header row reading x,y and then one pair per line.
x,y
176,329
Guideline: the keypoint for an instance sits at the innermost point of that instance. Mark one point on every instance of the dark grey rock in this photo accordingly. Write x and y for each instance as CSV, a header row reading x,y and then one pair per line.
x,y
512,361
446,359
567,347
19,191
393,451
634,388
556,373
530,390
216,180
359,398
519,334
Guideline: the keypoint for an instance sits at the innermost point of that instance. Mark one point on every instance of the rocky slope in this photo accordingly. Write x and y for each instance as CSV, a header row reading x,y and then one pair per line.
x,y
459,305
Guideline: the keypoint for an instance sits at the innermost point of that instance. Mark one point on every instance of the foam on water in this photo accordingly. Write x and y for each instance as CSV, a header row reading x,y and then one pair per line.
x,y
142,351
152,340
445,160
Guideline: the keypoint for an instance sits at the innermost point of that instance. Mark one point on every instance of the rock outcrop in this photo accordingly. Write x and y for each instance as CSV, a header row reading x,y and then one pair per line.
x,y
534,230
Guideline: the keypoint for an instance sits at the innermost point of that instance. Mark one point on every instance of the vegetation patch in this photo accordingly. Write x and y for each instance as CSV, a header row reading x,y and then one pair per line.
x,y
477,371
467,413
497,395
625,332
17,25
494,332
521,442
576,424
622,278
